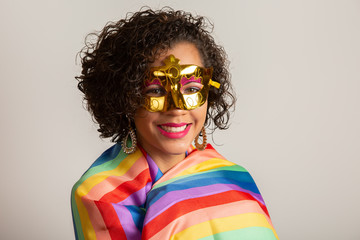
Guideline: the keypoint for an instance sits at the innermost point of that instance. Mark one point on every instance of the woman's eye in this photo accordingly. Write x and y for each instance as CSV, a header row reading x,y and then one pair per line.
x,y
155,91
191,88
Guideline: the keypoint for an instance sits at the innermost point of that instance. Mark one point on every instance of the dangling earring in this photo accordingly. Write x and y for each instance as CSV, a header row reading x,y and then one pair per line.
x,y
132,134
204,142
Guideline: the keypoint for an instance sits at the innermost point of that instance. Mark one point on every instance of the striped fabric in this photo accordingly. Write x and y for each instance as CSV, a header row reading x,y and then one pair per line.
x,y
203,197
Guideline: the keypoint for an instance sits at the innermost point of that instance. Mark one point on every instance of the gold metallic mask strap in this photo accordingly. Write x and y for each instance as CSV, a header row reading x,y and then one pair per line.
x,y
214,84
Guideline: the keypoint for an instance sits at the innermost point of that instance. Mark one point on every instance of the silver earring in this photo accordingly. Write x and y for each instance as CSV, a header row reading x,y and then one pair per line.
x,y
204,142
131,149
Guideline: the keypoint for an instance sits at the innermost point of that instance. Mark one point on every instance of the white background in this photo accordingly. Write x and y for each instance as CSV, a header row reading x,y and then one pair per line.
x,y
296,70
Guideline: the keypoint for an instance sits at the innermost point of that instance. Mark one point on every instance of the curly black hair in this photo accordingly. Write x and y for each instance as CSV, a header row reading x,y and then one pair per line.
x,y
115,64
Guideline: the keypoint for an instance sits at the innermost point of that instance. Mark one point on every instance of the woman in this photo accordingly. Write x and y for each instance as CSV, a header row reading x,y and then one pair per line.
x,y
152,82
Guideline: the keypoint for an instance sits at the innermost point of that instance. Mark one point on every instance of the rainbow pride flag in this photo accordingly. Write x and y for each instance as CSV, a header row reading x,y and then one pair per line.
x,y
203,197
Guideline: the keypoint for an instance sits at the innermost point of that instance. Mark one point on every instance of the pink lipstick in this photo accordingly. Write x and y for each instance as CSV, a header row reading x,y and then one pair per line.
x,y
174,130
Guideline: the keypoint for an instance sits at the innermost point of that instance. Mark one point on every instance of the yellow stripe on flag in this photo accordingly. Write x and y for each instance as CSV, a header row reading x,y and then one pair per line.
x,y
225,224
206,166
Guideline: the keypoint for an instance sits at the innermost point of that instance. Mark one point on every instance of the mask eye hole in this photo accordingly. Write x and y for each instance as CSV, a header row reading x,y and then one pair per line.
x,y
154,90
191,87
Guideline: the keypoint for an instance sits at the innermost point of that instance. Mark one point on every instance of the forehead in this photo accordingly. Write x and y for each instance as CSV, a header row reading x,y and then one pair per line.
x,y
186,52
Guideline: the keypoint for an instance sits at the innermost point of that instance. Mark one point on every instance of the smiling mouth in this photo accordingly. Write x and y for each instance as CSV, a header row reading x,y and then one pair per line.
x,y
171,129
174,130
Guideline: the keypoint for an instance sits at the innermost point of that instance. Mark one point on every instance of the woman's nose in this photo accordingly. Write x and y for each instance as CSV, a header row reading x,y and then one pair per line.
x,y
175,101
174,108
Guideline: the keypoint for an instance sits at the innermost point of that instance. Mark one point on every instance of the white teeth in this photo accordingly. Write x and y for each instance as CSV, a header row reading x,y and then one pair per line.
x,y
173,129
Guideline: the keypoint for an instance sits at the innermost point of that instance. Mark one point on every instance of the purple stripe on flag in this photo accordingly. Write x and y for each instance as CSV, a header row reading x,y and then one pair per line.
x,y
137,198
173,197
127,222
153,167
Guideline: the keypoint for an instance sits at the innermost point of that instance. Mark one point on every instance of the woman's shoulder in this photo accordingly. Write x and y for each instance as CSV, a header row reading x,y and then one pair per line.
x,y
210,158
205,164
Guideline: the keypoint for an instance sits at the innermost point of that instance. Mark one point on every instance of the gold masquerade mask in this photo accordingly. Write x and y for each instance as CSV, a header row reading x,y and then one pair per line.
x,y
177,86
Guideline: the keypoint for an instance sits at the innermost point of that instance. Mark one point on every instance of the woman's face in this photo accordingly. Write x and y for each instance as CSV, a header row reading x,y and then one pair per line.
x,y
171,132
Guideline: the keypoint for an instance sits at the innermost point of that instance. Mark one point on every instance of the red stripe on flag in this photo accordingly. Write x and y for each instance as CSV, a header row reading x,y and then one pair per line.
x,y
127,188
111,220
120,193
189,205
